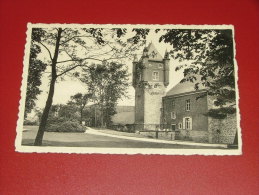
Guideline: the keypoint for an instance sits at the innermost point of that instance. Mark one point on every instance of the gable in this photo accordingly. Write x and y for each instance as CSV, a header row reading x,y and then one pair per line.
x,y
153,53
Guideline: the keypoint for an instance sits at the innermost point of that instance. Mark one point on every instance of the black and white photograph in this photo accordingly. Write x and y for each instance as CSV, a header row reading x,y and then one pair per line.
x,y
129,89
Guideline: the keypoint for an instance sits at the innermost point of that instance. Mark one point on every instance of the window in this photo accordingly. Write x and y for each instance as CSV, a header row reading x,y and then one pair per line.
x,y
187,123
173,104
188,105
180,125
173,115
173,127
155,76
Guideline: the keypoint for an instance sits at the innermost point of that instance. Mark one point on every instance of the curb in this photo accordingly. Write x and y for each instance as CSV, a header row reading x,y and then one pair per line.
x,y
95,132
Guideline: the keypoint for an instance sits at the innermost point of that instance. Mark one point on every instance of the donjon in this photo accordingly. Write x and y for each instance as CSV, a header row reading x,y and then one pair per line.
x,y
150,79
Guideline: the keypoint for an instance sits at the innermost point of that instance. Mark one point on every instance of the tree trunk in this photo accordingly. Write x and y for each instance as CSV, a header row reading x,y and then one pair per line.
x,y
81,116
102,116
44,118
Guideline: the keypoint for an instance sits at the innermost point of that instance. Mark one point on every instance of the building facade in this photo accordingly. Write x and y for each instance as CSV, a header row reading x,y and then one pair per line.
x,y
150,79
185,113
182,111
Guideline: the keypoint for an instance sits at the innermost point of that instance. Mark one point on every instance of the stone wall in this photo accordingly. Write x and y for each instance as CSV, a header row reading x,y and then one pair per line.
x,y
223,130
169,135
192,135
198,109
139,105
152,107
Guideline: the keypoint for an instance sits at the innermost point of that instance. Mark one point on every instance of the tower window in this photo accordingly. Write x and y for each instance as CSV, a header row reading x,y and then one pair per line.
x,y
155,75
188,105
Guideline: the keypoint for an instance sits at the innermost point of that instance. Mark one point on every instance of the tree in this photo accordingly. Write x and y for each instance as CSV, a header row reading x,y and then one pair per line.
x,y
69,49
69,112
36,69
211,55
80,100
108,83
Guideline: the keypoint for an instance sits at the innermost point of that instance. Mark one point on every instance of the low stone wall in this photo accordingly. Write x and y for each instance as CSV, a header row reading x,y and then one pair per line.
x,y
151,127
192,135
146,127
164,135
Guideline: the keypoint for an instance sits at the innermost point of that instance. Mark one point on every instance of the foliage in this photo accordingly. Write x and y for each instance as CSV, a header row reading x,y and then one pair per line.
x,y
30,123
61,124
221,113
108,83
36,68
69,49
211,55
80,100
69,112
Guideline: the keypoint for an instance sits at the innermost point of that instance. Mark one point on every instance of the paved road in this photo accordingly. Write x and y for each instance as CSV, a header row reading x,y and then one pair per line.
x,y
90,140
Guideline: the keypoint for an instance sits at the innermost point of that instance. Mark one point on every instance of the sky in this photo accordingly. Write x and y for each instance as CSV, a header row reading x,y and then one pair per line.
x,y
66,88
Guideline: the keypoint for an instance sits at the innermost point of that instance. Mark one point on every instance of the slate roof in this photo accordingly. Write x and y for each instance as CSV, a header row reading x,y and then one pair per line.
x,y
185,87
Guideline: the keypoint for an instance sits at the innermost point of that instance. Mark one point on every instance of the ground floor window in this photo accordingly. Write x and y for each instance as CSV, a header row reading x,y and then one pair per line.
x,y
180,125
173,127
187,123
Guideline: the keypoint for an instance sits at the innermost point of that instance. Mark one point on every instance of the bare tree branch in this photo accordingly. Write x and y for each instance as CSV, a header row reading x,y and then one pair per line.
x,y
46,49
79,60
77,36
72,68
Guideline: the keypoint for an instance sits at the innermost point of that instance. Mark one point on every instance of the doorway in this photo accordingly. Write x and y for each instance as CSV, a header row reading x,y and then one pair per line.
x,y
173,127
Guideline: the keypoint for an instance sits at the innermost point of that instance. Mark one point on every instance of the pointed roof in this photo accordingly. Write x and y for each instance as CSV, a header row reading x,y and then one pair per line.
x,y
185,87
153,53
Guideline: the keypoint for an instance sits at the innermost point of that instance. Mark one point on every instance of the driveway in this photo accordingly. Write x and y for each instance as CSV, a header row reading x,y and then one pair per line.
x,y
93,140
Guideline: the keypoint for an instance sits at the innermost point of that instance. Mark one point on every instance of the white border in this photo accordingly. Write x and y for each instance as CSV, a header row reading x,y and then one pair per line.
x,y
97,150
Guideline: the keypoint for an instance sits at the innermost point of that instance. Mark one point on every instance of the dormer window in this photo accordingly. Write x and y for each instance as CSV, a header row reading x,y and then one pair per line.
x,y
155,75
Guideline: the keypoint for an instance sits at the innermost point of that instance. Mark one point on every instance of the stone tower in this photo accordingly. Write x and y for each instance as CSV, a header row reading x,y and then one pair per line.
x,y
150,79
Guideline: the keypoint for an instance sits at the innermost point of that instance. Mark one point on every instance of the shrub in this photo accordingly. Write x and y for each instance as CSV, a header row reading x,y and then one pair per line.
x,y
64,125
28,122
